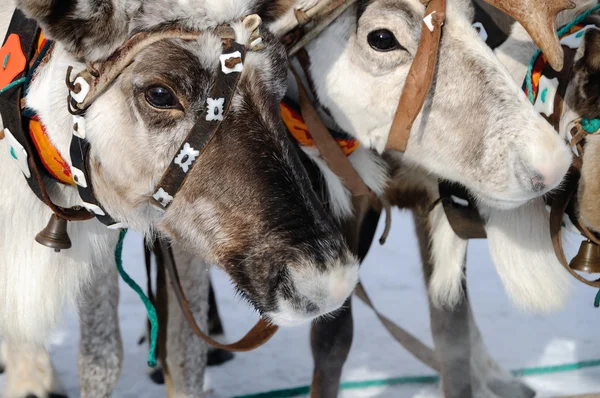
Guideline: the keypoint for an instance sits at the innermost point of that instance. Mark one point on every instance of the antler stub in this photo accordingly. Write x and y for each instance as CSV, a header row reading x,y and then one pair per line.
x,y
538,17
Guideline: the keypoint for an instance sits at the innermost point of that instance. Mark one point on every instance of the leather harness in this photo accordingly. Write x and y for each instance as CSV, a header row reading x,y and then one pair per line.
x,y
83,90
15,126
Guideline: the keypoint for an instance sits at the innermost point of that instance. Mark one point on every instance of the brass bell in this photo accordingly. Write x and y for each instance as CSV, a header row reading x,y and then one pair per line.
x,y
55,234
587,259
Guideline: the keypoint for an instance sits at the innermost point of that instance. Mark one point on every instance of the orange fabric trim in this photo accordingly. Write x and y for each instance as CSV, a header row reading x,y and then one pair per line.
x,y
16,61
51,158
296,126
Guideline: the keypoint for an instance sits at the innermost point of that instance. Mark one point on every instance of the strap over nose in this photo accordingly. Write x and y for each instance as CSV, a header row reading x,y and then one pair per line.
x,y
420,76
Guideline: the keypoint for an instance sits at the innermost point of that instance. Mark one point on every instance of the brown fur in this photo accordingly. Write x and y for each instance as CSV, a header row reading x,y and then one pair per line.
x,y
587,104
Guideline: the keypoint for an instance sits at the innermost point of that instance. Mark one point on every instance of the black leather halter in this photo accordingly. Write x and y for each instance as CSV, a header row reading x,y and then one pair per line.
x,y
10,107
93,81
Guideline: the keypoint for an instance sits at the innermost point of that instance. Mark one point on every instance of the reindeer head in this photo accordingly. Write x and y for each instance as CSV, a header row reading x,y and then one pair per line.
x,y
476,127
247,204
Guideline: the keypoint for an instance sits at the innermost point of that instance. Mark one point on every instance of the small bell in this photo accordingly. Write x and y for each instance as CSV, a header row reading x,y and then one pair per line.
x,y
55,234
587,259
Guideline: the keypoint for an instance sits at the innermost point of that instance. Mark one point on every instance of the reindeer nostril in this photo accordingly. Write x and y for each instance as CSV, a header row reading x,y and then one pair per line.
x,y
311,308
537,183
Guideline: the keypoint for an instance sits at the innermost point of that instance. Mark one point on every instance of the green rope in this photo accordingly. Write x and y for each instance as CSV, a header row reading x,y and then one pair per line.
x,y
561,32
597,300
5,61
12,84
149,307
355,385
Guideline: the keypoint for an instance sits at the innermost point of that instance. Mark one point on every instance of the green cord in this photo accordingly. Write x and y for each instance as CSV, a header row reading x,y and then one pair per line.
x,y
5,61
12,84
597,300
149,307
355,385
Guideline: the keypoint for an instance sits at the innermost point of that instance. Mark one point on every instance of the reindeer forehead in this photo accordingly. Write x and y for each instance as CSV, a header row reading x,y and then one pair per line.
x,y
409,10
190,14
412,9
397,15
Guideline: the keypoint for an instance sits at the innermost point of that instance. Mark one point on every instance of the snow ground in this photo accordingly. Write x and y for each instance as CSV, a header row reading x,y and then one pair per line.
x,y
393,278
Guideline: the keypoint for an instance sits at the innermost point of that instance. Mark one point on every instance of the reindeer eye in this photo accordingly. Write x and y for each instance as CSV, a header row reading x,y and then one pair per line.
x,y
383,40
161,97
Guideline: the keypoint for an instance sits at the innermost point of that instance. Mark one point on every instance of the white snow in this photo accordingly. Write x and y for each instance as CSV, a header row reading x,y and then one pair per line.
x,y
393,278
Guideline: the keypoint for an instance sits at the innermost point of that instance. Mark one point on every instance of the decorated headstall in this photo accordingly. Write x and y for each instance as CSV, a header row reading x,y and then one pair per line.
x,y
84,89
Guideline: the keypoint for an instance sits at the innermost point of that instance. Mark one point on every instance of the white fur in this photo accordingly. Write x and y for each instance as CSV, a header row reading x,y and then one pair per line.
x,y
30,371
35,282
338,194
327,290
448,256
521,249
520,240
369,166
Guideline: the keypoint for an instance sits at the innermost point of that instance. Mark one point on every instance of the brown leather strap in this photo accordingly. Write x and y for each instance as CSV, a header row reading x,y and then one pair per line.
x,y
560,201
406,340
466,222
419,79
329,149
259,335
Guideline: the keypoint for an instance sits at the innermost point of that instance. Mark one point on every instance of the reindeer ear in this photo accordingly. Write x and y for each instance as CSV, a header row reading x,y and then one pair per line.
x,y
90,29
271,10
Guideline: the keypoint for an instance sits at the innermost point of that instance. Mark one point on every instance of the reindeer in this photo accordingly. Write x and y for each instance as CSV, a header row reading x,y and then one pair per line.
x,y
513,181
351,49
257,218
580,100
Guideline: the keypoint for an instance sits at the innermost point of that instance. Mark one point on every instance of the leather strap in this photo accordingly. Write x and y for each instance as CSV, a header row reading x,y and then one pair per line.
x,y
10,107
560,202
100,75
466,222
209,122
406,340
79,150
260,333
329,149
419,79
